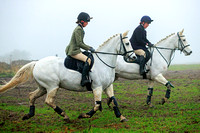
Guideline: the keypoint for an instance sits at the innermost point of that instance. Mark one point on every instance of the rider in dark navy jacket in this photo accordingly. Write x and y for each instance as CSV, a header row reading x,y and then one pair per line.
x,y
138,39
139,42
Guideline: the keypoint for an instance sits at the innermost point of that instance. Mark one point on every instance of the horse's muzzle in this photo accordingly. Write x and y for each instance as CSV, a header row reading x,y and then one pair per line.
x,y
189,53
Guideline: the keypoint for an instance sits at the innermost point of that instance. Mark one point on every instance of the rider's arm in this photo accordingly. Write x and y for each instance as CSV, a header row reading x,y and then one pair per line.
x,y
79,40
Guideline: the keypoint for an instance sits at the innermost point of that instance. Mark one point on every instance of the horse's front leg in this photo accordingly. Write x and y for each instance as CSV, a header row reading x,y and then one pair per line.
x,y
111,99
168,92
159,78
97,98
150,93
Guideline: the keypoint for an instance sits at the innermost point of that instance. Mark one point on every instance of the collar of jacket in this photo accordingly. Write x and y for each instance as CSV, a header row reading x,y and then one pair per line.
x,y
142,26
80,26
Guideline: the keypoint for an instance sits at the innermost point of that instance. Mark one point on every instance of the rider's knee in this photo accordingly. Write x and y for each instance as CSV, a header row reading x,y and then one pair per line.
x,y
89,61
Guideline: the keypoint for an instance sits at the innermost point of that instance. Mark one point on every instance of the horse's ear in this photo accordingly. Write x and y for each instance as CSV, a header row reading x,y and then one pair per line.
x,y
181,33
125,33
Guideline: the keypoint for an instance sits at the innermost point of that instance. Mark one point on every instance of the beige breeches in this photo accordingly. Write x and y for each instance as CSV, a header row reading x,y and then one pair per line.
x,y
81,57
140,52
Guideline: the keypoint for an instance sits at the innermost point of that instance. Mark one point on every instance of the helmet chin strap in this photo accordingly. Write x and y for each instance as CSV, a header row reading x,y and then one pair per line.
x,y
82,22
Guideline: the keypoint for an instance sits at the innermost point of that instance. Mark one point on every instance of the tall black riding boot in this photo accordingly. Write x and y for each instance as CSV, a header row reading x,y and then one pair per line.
x,y
85,72
142,64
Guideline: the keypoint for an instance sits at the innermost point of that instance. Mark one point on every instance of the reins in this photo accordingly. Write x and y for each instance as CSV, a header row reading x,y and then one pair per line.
x,y
105,62
113,53
171,58
172,55
121,38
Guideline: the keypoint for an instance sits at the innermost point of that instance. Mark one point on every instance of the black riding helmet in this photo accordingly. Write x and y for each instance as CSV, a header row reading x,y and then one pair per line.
x,y
146,19
84,16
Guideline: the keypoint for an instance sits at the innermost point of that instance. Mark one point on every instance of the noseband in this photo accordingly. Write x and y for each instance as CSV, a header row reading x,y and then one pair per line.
x,y
181,45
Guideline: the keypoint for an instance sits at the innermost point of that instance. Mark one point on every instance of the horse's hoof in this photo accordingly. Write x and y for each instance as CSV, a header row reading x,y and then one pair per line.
x,y
26,117
124,120
151,106
163,101
67,120
84,116
108,103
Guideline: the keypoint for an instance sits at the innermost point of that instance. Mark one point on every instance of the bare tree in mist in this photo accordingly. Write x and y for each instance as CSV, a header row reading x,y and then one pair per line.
x,y
15,55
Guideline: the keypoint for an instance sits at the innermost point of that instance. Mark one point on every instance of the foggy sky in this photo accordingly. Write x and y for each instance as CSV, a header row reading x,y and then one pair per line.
x,y
44,27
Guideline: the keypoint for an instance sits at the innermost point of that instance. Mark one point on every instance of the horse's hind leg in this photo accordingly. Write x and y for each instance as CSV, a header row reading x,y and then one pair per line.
x,y
150,92
32,97
111,99
50,100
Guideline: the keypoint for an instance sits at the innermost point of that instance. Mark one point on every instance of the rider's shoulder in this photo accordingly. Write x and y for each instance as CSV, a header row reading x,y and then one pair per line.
x,y
138,29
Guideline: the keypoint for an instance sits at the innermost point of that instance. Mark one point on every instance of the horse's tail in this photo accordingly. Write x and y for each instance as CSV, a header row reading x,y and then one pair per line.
x,y
24,74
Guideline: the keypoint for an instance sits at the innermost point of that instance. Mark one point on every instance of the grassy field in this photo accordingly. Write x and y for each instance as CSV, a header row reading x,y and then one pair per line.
x,y
185,67
180,114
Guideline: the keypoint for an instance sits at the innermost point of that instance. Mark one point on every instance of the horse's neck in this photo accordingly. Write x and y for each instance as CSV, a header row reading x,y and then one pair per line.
x,y
109,47
168,43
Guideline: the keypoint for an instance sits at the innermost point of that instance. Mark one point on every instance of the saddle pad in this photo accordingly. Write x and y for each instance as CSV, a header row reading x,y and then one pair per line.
x,y
77,65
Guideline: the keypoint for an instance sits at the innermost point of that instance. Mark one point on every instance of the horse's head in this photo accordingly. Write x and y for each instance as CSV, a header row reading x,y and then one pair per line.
x,y
183,45
125,46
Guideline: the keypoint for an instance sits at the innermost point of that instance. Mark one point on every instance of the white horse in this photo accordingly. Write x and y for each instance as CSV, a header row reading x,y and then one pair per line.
x,y
162,54
51,74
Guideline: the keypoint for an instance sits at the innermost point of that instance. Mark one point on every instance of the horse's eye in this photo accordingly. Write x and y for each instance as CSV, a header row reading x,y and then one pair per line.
x,y
184,40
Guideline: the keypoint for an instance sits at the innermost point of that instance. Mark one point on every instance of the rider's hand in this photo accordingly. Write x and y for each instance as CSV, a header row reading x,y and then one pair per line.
x,y
150,45
92,49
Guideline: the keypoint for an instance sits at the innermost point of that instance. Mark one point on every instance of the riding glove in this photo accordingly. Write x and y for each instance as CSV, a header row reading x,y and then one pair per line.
x,y
150,45
92,49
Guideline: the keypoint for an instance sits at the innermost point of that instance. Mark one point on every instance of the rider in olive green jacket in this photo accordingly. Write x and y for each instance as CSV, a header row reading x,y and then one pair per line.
x,y
76,43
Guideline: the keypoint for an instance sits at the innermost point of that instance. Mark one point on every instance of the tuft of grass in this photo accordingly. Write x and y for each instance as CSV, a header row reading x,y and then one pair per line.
x,y
7,74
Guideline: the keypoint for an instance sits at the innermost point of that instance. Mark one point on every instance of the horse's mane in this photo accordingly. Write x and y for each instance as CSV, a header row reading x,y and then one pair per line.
x,y
164,39
107,41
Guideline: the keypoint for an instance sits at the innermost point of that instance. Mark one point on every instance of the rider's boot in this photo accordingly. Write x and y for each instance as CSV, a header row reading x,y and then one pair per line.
x,y
142,64
85,72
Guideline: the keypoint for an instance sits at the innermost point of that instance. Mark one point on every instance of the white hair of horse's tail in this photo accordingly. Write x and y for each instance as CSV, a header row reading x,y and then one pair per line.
x,y
24,74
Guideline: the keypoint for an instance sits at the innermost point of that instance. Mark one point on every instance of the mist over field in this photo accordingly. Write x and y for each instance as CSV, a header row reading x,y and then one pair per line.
x,y
42,28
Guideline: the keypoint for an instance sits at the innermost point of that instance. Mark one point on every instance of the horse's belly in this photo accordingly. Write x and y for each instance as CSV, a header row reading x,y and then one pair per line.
x,y
130,76
72,87
71,80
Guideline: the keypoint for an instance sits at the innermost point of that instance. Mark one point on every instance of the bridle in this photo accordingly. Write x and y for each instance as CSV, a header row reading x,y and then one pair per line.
x,y
122,45
181,47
